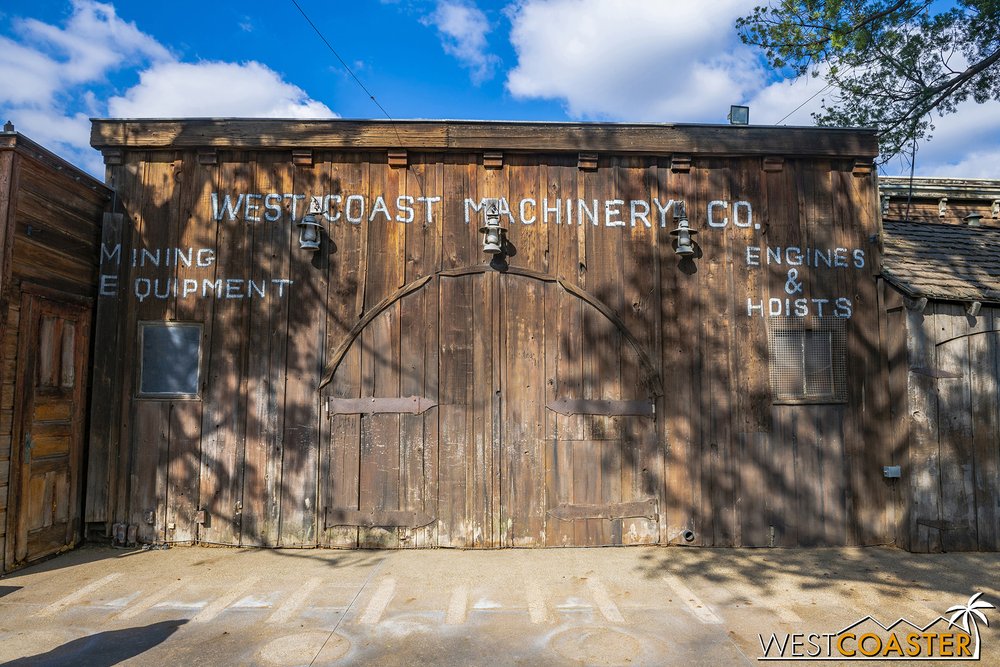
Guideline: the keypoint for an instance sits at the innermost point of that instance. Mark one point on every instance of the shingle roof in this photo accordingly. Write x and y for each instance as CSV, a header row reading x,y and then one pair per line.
x,y
940,261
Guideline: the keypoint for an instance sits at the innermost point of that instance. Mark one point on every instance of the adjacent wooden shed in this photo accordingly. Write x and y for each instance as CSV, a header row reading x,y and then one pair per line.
x,y
598,381
940,199
50,219
942,296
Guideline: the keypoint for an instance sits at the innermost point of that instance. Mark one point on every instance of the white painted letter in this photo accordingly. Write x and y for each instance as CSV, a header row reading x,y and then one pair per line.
x,y
109,284
748,222
251,209
471,203
634,206
717,203
379,206
272,208
356,220
611,210
525,220
405,205
663,208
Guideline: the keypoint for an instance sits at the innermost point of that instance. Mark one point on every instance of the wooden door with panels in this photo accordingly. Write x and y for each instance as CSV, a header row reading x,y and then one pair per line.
x,y
49,408
478,408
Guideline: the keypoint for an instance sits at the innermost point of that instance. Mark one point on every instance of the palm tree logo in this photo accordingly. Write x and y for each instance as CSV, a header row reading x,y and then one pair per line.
x,y
966,614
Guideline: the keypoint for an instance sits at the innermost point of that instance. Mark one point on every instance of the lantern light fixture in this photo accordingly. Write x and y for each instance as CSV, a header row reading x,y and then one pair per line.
x,y
309,226
491,229
683,233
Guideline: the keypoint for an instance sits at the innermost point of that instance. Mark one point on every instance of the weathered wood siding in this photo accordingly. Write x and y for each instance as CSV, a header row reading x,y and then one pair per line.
x,y
50,215
530,381
952,475
947,200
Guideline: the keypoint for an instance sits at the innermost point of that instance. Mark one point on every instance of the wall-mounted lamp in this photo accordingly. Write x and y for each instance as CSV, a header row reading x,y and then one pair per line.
x,y
685,245
491,229
739,115
309,226
973,219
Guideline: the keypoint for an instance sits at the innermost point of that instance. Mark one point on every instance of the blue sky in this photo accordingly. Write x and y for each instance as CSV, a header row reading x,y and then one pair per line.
x,y
616,60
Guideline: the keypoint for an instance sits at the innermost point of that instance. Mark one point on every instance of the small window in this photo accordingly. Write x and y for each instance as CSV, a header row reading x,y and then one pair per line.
x,y
171,359
808,360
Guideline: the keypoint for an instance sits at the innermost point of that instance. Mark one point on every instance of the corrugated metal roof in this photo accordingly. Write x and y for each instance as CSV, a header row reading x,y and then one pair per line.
x,y
942,261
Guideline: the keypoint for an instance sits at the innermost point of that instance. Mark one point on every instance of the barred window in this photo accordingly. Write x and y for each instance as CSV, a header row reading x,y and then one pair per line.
x,y
808,359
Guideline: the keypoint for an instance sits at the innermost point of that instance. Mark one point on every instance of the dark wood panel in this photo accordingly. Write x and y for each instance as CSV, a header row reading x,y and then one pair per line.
x,y
471,135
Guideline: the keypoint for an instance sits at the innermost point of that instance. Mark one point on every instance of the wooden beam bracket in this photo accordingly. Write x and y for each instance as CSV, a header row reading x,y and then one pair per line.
x,y
680,164
587,162
302,157
774,163
113,156
493,160
208,156
862,167
398,158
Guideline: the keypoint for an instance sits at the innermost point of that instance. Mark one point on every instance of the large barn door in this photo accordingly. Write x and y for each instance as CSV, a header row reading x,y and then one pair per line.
x,y
48,427
577,423
486,409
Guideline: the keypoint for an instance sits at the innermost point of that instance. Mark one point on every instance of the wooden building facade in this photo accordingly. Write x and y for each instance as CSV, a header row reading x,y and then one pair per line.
x,y
50,221
598,381
941,288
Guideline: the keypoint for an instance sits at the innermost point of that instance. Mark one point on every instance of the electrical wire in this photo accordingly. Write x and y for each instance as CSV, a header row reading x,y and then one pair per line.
x,y
821,90
349,70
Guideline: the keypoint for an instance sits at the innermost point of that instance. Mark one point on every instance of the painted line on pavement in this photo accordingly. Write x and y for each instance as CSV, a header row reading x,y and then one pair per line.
x,y
59,605
377,605
294,601
457,606
229,597
694,604
604,602
147,602
536,604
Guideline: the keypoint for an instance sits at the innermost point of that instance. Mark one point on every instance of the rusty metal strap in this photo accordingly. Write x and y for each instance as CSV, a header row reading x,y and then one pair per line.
x,y
337,516
644,509
411,405
585,406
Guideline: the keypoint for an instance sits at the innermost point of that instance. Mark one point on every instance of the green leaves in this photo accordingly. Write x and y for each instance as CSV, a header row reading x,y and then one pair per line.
x,y
892,63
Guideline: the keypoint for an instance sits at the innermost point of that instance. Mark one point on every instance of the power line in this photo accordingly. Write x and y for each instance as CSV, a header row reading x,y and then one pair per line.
x,y
796,108
392,121
345,65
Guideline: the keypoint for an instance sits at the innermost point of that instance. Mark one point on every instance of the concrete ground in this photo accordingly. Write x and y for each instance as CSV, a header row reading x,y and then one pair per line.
x,y
614,606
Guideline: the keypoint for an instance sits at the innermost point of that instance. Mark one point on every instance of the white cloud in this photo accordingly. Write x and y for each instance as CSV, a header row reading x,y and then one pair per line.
x,y
633,59
463,28
50,73
215,89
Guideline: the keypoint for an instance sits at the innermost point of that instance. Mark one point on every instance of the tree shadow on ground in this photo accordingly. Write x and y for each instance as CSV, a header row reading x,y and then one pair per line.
x,y
104,648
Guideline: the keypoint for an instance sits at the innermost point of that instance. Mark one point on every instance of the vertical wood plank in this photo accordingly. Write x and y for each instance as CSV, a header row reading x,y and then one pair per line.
x,y
308,272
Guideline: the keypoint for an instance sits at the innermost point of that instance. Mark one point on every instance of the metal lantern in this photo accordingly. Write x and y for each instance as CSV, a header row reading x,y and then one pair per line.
x,y
309,226
683,233
492,231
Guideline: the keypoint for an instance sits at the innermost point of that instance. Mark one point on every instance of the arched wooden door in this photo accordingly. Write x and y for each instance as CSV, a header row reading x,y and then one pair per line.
x,y
487,409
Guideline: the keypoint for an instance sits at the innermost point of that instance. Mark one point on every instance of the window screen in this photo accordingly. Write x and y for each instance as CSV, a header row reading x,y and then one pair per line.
x,y
171,359
808,360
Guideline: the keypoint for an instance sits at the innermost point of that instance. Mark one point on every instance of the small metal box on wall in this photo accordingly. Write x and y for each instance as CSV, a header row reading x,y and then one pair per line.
x,y
487,334
50,221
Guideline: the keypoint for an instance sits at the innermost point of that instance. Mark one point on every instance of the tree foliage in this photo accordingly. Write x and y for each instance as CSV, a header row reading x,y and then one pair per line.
x,y
889,63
